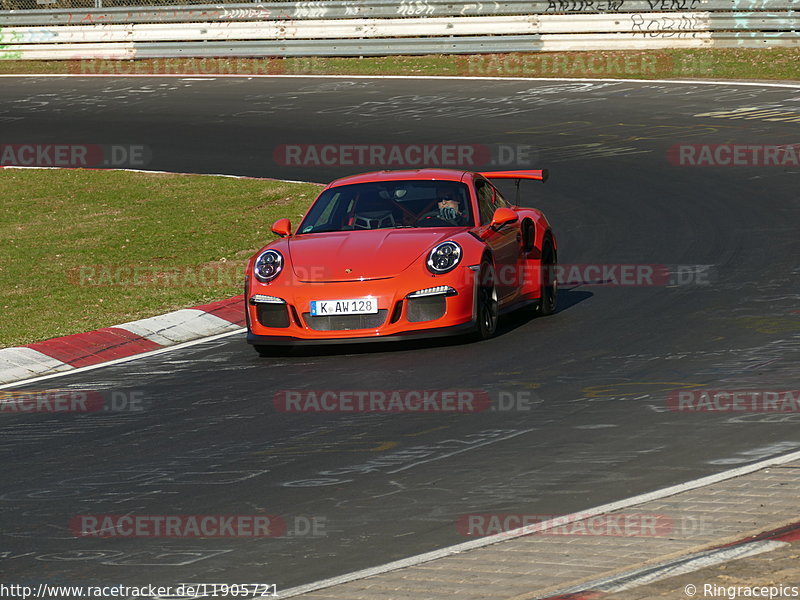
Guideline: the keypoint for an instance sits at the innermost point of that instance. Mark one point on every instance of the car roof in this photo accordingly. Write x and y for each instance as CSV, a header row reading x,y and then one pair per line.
x,y
419,174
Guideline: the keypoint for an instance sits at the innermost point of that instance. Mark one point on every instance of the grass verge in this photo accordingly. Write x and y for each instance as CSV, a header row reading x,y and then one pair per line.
x,y
88,249
720,63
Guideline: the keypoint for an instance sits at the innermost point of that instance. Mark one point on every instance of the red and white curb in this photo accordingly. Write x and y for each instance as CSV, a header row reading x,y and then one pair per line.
x,y
128,339
764,542
121,341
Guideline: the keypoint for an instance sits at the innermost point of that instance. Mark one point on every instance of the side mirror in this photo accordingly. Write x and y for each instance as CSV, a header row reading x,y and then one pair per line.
x,y
501,217
283,227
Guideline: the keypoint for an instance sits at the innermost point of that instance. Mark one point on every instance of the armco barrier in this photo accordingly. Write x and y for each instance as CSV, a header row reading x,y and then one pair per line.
x,y
339,28
375,9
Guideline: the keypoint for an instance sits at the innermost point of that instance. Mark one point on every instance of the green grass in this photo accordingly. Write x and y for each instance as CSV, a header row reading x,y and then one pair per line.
x,y
758,63
71,240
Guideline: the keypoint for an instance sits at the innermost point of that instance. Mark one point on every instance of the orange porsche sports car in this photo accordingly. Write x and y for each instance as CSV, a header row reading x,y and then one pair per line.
x,y
401,254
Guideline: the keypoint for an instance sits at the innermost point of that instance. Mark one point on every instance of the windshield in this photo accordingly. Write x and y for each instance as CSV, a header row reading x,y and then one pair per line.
x,y
389,205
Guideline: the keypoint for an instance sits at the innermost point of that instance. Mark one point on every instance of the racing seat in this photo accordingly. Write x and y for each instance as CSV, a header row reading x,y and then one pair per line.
x,y
372,212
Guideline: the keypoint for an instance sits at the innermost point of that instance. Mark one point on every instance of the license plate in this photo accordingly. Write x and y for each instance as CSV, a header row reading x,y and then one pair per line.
x,y
356,306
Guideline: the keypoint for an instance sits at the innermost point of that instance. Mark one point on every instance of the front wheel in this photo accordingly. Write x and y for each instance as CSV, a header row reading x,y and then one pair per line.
x,y
486,309
549,287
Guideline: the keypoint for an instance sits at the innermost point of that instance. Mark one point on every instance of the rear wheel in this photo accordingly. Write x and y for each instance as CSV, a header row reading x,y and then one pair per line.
x,y
486,309
549,296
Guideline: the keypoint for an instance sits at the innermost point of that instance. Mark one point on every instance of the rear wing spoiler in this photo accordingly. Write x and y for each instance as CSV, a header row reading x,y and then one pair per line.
x,y
541,175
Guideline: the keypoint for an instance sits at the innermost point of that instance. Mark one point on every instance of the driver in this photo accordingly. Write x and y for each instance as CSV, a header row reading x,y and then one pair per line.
x,y
450,208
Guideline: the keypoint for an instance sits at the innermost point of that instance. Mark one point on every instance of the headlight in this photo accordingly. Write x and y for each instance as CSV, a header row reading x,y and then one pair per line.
x,y
268,265
439,290
444,257
263,299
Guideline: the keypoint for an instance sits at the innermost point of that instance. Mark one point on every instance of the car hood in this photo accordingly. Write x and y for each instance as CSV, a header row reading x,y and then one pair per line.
x,y
359,255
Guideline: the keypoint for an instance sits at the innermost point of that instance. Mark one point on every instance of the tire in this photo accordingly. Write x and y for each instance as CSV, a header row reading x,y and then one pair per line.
x,y
486,310
549,296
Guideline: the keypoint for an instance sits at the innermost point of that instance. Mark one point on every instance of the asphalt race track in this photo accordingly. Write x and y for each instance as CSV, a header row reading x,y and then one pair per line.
x,y
594,377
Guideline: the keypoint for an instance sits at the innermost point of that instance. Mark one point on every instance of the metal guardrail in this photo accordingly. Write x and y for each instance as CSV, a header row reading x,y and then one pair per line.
x,y
379,47
663,25
305,29
375,9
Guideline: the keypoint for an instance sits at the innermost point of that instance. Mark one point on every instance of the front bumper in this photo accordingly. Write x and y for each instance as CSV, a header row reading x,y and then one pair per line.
x,y
399,317
269,340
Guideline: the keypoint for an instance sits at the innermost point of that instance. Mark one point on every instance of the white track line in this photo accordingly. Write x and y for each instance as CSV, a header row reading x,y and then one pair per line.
x,y
494,539
425,77
468,449
150,172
